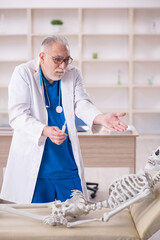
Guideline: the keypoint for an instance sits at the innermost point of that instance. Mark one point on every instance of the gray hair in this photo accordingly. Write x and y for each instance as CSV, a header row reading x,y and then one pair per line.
x,y
50,40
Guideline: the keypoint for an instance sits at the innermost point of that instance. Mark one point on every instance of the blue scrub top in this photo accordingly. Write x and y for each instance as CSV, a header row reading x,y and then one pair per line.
x,y
58,161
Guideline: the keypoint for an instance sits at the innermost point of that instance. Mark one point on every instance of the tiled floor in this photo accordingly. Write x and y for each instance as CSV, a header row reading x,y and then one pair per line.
x,y
105,176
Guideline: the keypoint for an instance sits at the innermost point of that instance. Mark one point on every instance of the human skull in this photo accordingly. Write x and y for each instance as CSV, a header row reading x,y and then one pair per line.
x,y
154,161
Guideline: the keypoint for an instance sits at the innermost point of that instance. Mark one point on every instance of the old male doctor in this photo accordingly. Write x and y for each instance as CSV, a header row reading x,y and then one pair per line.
x,y
45,161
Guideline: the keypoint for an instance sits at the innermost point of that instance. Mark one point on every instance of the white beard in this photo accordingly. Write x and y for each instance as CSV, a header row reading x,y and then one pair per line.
x,y
56,78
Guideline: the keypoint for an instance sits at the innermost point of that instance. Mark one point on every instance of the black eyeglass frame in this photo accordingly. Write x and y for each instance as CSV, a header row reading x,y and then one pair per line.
x,y
67,60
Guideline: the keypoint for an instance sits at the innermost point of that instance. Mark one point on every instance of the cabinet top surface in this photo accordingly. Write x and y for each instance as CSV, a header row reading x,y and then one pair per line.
x,y
133,134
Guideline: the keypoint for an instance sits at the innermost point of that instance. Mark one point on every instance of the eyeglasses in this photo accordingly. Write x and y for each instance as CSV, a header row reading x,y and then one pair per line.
x,y
60,60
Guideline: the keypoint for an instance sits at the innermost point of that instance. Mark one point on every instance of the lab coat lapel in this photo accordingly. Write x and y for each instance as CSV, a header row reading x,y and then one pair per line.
x,y
37,80
41,90
67,98
37,76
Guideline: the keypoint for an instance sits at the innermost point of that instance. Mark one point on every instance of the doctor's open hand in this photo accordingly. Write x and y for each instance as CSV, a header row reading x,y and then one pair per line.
x,y
55,134
111,121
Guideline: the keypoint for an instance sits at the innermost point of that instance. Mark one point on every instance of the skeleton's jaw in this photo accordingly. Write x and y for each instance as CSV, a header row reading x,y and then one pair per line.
x,y
153,164
152,167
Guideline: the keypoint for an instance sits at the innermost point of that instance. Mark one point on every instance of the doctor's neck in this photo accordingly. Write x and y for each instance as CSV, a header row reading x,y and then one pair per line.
x,y
46,76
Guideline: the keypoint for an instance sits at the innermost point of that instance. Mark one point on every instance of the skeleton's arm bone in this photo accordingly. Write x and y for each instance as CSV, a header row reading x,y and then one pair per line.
x,y
108,215
71,224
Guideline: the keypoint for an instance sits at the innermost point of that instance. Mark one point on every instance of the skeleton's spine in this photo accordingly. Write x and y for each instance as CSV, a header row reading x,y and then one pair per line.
x,y
98,205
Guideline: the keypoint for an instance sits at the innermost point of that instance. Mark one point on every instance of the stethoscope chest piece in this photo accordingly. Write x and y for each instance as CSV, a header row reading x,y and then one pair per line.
x,y
59,109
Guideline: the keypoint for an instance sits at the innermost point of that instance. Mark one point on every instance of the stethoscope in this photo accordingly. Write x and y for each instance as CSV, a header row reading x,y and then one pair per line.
x,y
58,108
42,83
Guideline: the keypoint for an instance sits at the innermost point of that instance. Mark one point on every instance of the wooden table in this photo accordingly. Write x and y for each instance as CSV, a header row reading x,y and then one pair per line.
x,y
108,150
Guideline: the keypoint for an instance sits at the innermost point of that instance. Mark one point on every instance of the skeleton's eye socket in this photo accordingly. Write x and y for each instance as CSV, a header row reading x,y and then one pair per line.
x,y
157,152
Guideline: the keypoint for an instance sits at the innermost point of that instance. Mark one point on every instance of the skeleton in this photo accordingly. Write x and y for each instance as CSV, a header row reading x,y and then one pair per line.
x,y
122,193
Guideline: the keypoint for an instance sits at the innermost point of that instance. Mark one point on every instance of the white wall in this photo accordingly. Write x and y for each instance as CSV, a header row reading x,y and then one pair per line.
x,y
79,3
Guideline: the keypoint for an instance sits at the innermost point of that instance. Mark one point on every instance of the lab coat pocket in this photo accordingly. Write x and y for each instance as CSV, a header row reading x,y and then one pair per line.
x,y
20,145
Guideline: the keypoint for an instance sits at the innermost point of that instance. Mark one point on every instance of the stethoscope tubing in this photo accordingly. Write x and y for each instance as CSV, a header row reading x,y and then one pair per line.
x,y
43,84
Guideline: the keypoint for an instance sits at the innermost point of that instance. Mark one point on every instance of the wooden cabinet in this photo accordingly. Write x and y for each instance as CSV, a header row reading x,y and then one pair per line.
x,y
103,150
5,142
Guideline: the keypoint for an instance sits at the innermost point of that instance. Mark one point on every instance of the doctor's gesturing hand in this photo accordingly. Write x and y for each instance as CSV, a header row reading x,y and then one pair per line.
x,y
111,121
55,134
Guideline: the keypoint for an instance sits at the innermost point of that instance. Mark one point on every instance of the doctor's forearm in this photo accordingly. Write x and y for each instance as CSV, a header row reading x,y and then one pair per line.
x,y
99,119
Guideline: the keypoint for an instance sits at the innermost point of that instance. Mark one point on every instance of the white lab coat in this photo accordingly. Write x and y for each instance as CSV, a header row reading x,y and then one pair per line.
x,y
28,116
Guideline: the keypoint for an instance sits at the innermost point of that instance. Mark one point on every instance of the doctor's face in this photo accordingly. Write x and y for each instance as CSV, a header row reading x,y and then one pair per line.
x,y
54,61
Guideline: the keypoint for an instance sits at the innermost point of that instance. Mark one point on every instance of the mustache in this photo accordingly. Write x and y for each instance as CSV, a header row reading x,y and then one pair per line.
x,y
60,71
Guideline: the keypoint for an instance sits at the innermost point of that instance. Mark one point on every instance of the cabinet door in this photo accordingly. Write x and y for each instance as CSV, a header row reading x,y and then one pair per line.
x,y
5,142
